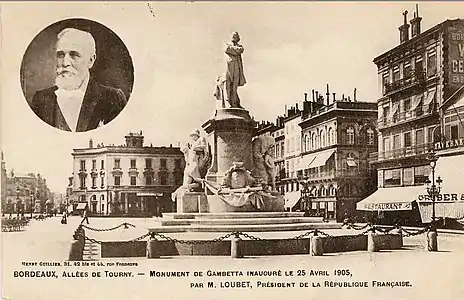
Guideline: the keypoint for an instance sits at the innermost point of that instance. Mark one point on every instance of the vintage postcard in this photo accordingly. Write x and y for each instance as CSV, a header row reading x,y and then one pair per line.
x,y
202,150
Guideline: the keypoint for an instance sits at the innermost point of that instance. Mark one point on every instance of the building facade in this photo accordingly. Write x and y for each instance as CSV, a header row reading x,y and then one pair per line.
x,y
130,179
415,78
337,139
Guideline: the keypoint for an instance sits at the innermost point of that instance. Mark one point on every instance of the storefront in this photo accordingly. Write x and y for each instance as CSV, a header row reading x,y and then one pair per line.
x,y
394,205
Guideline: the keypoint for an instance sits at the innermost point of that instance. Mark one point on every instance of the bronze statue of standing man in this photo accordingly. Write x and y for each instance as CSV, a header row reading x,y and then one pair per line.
x,y
233,76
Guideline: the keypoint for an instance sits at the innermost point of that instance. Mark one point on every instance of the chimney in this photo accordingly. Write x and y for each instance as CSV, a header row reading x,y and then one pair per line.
x,y
313,96
343,97
306,96
404,29
349,99
416,23
90,143
297,110
354,95
333,94
317,96
328,95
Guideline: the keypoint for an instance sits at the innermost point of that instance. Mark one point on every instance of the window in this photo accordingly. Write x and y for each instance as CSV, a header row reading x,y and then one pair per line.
x,y
148,163
385,79
278,151
282,149
421,173
407,69
454,132
177,163
117,163
94,182
133,180
133,163
386,112
431,64
163,163
392,177
102,181
419,66
350,135
430,137
117,180
149,180
396,73
408,176
386,144
407,104
419,137
163,179
102,164
370,136
82,165
396,142
82,182
94,164
407,139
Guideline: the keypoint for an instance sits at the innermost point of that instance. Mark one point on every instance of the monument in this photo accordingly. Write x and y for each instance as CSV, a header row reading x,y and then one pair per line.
x,y
229,171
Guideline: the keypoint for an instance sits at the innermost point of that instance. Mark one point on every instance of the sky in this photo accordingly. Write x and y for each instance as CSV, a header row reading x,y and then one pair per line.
x,y
176,48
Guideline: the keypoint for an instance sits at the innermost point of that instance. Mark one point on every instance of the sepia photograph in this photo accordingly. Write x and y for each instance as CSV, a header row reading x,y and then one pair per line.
x,y
201,150
86,86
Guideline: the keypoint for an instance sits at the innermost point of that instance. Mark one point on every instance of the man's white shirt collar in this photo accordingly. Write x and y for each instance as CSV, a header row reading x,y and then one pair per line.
x,y
70,102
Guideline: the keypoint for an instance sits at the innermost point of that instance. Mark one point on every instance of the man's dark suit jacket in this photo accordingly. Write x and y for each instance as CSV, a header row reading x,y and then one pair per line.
x,y
100,105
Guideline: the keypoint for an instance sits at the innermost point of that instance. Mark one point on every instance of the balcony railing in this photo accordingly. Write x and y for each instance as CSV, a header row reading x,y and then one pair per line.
x,y
401,117
336,173
401,152
414,78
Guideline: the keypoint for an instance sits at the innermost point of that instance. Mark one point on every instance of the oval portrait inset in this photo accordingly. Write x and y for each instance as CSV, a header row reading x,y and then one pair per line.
x,y
77,75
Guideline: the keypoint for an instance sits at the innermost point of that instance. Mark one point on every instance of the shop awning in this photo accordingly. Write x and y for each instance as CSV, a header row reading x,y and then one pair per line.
x,y
416,101
430,97
322,158
450,202
306,161
292,198
388,199
81,205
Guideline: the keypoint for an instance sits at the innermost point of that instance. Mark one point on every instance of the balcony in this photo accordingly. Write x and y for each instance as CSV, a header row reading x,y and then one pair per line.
x,y
404,117
336,173
401,152
413,79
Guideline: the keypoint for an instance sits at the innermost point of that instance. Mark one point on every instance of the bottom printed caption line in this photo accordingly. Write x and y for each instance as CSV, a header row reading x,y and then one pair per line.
x,y
249,284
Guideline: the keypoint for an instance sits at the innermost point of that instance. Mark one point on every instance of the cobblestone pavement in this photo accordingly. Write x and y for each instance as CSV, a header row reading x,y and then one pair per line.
x,y
432,275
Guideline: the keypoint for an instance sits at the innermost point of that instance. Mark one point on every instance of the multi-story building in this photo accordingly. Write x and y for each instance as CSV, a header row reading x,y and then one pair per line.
x,y
415,77
337,138
128,179
26,193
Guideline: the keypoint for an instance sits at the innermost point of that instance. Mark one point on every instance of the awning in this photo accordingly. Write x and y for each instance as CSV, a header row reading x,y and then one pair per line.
x,y
450,202
416,101
351,163
430,97
306,161
390,199
291,199
148,194
81,205
322,158
394,110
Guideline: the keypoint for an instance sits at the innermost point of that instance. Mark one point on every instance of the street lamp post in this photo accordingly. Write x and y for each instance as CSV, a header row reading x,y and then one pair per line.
x,y
17,201
433,191
32,203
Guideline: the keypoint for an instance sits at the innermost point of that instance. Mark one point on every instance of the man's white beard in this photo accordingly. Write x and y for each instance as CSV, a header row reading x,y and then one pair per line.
x,y
71,80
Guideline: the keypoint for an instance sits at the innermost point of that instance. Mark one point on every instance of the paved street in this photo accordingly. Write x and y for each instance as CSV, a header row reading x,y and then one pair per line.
x,y
430,274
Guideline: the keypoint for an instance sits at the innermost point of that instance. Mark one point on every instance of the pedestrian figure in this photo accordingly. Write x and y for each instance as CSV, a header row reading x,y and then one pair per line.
x,y
64,219
85,217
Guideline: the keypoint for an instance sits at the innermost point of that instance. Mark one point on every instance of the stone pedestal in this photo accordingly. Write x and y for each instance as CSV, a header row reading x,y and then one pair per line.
x,y
192,202
230,134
